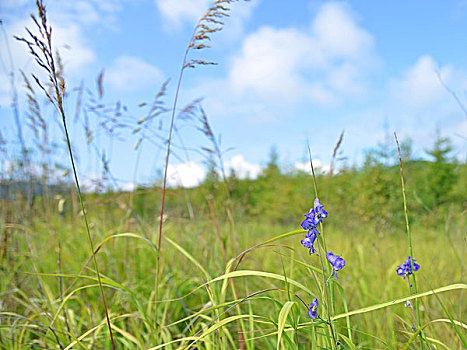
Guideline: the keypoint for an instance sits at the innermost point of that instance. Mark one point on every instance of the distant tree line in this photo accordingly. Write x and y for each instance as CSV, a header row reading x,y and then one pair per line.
x,y
370,193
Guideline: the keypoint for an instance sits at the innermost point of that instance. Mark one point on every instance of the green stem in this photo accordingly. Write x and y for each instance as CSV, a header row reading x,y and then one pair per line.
x,y
59,89
328,315
417,307
87,228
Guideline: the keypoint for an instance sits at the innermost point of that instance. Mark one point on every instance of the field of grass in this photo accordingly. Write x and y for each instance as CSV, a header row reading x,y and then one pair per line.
x,y
223,265
60,303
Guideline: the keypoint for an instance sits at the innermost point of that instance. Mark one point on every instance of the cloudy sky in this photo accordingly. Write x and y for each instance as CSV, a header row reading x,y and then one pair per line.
x,y
289,73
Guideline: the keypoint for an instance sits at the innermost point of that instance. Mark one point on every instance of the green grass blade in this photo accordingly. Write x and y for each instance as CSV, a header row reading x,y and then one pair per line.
x,y
276,238
282,320
218,325
349,342
107,282
400,300
282,236
461,336
346,308
189,257
129,235
460,324
181,340
245,273
95,329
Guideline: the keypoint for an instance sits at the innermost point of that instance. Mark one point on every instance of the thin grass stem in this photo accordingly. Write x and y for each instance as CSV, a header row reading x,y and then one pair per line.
x,y
320,251
409,236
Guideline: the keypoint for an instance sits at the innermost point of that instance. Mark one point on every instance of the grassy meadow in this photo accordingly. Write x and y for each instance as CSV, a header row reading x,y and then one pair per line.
x,y
150,307
223,265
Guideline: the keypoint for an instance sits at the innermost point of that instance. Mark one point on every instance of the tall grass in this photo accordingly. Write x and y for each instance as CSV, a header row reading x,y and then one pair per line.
x,y
40,47
218,283
128,267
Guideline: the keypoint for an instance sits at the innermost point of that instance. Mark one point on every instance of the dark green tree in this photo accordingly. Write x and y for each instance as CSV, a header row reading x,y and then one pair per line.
x,y
211,181
441,176
272,167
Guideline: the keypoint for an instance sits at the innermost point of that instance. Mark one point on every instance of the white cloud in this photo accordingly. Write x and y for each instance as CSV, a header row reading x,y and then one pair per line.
x,y
337,34
73,49
270,62
86,12
419,103
318,93
317,165
90,183
419,86
129,73
103,13
11,167
331,59
242,168
191,174
128,186
345,78
234,28
188,174
178,11
68,40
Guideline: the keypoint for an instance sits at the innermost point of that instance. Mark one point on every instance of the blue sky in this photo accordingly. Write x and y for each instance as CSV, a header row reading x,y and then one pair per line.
x,y
288,73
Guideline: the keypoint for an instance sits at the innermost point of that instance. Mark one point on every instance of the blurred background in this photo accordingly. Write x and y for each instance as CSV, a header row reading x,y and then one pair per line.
x,y
288,74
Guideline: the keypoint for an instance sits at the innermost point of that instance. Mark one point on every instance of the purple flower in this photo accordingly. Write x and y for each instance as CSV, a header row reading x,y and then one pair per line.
x,y
308,241
310,217
314,217
320,212
406,268
311,220
336,261
313,311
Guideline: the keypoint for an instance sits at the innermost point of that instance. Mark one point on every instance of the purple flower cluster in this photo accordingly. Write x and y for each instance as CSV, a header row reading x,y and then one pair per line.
x,y
313,218
406,268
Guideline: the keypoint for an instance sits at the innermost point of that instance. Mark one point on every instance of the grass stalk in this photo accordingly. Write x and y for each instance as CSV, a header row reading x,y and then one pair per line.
x,y
85,218
320,251
41,283
409,236
41,49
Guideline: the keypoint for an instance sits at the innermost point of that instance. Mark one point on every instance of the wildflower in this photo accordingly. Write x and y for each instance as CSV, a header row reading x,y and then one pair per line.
x,y
319,211
314,217
408,303
311,221
406,268
310,238
313,311
336,261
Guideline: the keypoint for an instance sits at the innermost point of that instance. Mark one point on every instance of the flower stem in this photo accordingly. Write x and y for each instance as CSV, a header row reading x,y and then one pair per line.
x,y
417,307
